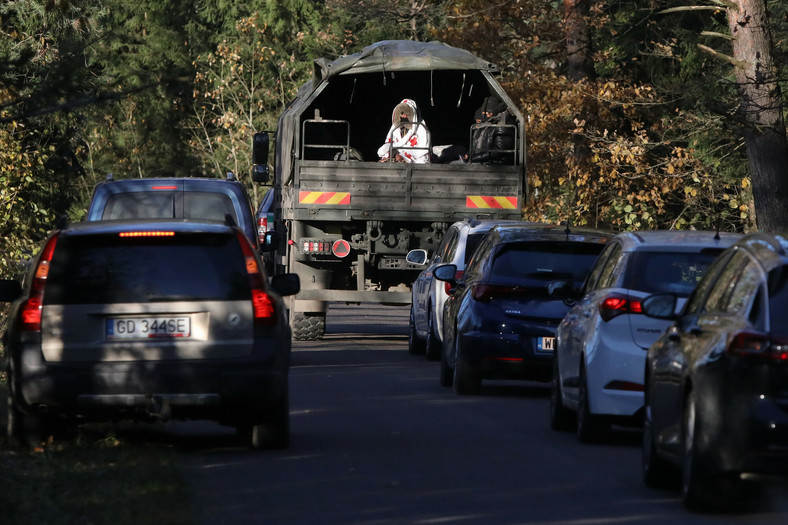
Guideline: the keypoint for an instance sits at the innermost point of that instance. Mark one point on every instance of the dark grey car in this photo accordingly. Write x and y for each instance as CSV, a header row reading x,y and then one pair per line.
x,y
148,320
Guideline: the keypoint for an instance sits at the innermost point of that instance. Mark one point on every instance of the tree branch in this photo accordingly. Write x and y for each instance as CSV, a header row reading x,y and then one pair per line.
x,y
690,8
722,56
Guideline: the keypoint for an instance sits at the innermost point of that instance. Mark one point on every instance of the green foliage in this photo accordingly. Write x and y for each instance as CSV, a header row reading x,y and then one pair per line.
x,y
244,83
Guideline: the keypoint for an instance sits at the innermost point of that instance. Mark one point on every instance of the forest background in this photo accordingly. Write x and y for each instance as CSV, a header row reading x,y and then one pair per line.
x,y
650,135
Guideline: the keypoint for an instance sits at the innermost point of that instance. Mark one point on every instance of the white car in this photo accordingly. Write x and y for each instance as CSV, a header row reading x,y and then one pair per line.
x,y
428,294
601,343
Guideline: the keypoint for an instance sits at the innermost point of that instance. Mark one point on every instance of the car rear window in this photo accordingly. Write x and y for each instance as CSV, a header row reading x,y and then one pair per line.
x,y
111,269
166,204
534,263
676,272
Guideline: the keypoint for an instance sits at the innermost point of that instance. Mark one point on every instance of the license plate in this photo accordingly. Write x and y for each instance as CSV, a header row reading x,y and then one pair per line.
x,y
149,327
545,344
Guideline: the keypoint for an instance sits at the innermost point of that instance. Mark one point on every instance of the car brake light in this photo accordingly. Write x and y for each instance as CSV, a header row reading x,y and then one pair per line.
x,y
488,292
30,318
264,307
757,345
614,305
148,234
457,277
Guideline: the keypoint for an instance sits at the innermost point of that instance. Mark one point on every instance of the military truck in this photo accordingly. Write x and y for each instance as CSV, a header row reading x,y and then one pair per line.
x,y
345,219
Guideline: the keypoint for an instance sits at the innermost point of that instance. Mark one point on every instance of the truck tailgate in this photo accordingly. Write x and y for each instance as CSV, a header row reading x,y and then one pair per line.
x,y
395,190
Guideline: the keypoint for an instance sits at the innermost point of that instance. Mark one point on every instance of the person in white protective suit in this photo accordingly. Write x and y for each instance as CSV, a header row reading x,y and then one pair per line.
x,y
408,138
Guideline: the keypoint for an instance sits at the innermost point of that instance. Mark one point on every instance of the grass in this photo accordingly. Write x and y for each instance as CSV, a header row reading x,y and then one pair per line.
x,y
93,479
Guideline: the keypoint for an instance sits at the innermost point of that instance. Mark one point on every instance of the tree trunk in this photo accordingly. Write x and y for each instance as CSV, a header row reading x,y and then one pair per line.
x,y
761,108
578,40
579,67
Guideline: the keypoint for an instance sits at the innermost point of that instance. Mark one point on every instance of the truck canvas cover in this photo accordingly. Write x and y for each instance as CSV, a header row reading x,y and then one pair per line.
x,y
451,80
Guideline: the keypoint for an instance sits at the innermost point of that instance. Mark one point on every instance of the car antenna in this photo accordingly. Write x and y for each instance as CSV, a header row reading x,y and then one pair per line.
x,y
717,233
567,231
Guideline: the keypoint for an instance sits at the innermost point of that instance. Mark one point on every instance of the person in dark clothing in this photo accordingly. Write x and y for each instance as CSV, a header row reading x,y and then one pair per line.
x,y
493,139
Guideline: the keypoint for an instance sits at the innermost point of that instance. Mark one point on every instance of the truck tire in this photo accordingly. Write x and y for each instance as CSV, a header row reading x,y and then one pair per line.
x,y
308,326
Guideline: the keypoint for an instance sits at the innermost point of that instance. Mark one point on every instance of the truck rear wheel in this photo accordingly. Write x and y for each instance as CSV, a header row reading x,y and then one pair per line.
x,y
308,326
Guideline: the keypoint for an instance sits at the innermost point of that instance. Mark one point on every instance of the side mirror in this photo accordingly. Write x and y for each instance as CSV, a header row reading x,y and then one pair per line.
x,y
10,290
271,241
260,172
446,272
286,284
660,306
418,256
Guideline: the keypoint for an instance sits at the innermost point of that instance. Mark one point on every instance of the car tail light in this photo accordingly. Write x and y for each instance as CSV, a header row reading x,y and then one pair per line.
x,y
457,277
488,292
614,305
30,319
758,345
264,306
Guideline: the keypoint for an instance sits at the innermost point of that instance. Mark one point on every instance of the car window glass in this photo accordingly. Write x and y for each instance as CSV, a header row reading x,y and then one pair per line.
x,y
697,299
778,301
440,252
596,270
537,263
140,205
606,277
471,243
473,270
723,286
747,282
451,247
675,272
207,205
110,269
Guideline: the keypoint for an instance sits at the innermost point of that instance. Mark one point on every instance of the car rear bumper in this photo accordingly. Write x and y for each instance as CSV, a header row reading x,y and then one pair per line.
x,y
212,389
506,356
615,377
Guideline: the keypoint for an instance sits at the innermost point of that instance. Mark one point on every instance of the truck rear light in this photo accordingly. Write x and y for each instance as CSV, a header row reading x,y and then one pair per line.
x,y
262,229
262,304
758,345
615,305
30,318
316,247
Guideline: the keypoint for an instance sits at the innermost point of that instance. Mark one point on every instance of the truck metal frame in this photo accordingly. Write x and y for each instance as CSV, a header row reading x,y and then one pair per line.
x,y
345,220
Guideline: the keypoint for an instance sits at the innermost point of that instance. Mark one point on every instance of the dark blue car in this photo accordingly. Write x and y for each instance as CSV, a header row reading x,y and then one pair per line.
x,y
500,318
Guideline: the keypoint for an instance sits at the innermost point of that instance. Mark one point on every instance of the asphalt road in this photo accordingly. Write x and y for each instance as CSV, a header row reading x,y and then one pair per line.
x,y
377,440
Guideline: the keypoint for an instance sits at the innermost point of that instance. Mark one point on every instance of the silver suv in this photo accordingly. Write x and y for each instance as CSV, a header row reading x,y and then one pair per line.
x,y
148,320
